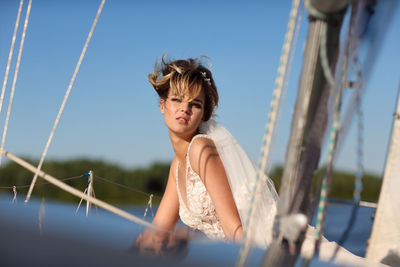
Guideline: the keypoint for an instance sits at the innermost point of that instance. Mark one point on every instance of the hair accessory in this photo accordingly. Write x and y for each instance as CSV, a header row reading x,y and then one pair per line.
x,y
207,80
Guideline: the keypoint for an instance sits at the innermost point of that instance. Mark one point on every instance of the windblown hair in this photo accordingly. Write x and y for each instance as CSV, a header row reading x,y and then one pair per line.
x,y
185,78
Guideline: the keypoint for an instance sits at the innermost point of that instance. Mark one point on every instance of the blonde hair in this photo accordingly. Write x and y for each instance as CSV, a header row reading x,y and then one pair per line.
x,y
185,78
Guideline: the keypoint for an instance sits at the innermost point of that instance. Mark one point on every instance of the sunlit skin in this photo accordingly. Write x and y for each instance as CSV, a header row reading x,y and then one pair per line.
x,y
182,118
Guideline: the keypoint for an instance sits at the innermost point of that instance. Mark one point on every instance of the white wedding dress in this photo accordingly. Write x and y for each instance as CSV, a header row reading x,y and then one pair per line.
x,y
199,211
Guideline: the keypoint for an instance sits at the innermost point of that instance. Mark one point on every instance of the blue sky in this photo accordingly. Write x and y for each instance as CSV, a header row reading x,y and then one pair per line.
x,y
112,112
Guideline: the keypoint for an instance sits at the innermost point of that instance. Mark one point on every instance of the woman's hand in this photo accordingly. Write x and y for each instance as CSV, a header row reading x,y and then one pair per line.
x,y
163,244
152,242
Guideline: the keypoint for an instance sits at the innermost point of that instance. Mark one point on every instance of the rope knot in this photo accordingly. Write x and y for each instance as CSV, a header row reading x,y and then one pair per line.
x,y
14,188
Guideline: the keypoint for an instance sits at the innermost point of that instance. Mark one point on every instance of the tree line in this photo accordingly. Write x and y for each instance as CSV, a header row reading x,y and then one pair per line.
x,y
150,180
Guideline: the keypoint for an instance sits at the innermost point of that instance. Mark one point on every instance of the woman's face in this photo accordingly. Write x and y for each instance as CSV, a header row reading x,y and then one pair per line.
x,y
182,116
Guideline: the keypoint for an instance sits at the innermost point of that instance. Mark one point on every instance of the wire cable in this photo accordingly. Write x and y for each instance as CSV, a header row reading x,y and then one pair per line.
x,y
126,187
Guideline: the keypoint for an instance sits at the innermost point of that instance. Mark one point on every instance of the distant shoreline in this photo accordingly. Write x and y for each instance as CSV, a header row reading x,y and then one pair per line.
x,y
120,185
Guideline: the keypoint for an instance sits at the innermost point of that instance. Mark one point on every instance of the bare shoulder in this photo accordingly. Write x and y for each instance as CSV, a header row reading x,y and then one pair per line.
x,y
202,152
201,147
201,143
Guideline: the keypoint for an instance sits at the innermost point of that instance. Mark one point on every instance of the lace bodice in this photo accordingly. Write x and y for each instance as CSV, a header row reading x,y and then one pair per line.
x,y
199,211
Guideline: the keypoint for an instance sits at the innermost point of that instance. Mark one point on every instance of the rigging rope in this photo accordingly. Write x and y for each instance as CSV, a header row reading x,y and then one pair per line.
x,y
269,129
351,107
359,154
323,35
357,181
14,36
65,99
327,177
287,76
323,54
350,52
10,101
336,127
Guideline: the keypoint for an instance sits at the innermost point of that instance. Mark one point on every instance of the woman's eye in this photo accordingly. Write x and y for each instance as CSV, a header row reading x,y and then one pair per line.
x,y
175,99
196,105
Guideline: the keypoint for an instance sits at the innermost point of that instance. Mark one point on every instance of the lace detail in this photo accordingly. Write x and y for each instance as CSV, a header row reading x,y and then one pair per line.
x,y
200,211
241,173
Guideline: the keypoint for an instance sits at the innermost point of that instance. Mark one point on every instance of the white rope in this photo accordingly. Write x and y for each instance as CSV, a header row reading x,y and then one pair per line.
x,y
274,111
11,53
10,101
80,202
14,188
78,193
286,80
65,100
149,205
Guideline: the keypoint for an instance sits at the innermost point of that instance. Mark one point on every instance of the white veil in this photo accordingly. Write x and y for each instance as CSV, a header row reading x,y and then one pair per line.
x,y
241,172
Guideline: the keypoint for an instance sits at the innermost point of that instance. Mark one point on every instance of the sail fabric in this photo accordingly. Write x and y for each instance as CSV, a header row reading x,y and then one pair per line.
x,y
385,237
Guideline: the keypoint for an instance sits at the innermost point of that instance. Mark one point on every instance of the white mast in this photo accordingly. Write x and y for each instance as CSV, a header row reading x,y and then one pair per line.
x,y
384,242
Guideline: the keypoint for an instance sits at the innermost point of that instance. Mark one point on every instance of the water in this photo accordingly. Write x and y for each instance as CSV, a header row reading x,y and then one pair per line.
x,y
107,231
337,219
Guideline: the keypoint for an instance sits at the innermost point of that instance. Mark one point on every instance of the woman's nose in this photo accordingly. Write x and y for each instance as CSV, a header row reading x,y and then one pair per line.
x,y
185,107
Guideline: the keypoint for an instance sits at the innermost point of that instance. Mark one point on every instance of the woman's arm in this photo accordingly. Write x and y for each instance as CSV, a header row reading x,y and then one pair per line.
x,y
155,241
168,211
205,161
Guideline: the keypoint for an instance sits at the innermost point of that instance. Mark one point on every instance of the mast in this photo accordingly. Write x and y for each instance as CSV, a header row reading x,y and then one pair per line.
x,y
308,126
384,243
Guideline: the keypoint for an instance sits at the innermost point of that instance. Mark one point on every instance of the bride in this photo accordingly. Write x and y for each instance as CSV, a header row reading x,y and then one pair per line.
x,y
211,177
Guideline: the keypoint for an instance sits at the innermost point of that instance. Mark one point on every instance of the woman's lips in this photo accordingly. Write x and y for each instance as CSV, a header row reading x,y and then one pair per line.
x,y
182,120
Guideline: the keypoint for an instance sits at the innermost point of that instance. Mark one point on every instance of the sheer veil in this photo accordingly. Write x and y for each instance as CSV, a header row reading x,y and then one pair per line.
x,y
241,172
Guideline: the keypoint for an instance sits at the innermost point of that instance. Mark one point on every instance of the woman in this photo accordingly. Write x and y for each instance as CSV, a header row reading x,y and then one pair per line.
x,y
209,184
211,178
